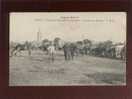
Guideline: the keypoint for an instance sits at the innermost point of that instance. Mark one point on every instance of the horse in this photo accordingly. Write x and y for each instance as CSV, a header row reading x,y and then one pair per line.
x,y
18,48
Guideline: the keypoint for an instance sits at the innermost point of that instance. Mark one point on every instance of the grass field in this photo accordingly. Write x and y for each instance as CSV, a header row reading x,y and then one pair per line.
x,y
38,70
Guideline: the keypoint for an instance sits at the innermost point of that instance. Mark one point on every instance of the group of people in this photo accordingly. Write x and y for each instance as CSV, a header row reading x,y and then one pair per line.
x,y
68,49
71,50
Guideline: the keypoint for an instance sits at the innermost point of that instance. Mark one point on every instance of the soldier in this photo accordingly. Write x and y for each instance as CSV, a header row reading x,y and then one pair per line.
x,y
51,51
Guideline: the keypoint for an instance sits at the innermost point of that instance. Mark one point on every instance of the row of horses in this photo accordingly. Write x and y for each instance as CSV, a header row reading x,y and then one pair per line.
x,y
72,49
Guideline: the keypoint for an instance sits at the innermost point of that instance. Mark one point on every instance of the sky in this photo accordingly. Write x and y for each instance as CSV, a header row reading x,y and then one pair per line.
x,y
69,26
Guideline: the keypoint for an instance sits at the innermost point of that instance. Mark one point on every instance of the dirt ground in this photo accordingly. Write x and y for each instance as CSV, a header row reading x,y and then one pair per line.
x,y
38,70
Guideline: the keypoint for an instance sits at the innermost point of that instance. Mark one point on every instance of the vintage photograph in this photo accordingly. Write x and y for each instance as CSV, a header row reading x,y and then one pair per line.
x,y
67,48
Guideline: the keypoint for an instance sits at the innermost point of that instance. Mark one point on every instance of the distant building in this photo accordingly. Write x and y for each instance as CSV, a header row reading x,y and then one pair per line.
x,y
39,36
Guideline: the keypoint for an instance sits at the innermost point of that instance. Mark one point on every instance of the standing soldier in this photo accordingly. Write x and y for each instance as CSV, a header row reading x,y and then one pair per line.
x,y
72,50
28,45
51,51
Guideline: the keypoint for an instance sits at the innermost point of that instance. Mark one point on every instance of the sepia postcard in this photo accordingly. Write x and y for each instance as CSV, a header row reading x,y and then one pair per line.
x,y
67,48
